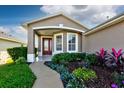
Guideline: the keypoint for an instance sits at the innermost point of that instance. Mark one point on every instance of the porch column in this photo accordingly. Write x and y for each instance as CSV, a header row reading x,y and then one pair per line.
x,y
31,46
39,46
83,43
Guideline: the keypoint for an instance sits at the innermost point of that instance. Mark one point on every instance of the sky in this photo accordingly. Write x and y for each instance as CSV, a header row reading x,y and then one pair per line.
x,y
12,17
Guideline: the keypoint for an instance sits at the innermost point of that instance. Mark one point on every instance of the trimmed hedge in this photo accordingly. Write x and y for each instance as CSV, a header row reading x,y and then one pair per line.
x,y
64,58
68,57
17,52
91,59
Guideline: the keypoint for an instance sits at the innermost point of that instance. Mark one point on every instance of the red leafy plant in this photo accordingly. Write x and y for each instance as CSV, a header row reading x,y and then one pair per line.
x,y
113,60
117,54
100,56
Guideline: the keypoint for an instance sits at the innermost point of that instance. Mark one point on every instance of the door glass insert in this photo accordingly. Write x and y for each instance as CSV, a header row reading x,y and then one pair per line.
x,y
46,43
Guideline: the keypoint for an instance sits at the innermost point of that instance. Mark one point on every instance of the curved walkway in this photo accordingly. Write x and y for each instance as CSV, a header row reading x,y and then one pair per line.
x,y
46,77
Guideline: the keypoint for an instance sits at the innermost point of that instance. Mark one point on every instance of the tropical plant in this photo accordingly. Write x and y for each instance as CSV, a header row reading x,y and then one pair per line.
x,y
116,54
100,56
113,60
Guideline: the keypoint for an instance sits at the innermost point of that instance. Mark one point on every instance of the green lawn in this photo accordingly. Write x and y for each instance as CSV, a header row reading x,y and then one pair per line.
x,y
16,76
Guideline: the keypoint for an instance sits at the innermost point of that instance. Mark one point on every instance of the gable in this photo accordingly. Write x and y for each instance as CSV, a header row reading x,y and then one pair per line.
x,y
56,20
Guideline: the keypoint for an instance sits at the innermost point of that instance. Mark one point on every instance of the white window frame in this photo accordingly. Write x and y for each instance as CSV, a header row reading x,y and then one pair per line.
x,y
56,51
76,42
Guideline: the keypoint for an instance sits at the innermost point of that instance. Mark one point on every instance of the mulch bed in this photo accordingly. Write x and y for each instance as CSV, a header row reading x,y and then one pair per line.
x,y
104,79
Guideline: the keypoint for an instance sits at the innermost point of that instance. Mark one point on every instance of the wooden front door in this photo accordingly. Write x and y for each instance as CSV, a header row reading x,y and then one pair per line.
x,y
47,46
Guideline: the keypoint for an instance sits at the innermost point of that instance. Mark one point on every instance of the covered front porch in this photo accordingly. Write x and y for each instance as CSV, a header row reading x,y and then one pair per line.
x,y
53,40
44,58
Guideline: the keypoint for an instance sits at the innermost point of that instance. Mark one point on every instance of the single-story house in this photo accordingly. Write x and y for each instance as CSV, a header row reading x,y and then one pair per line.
x,y
60,33
6,41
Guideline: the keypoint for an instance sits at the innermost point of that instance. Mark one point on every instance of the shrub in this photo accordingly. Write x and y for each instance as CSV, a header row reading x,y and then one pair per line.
x,y
9,61
64,58
56,58
65,75
75,83
61,68
84,74
20,60
17,52
91,59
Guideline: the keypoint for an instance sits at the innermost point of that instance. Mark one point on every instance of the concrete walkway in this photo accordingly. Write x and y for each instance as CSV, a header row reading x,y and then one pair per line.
x,y
46,77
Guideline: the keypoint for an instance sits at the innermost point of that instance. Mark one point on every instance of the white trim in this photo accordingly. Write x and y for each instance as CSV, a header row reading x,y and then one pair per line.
x,y
76,43
31,58
41,45
55,51
57,27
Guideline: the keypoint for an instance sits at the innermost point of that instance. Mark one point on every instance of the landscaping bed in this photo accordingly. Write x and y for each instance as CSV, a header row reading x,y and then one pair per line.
x,y
83,70
104,79
16,75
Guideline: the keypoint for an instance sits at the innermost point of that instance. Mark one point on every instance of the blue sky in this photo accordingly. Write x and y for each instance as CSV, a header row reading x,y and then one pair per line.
x,y
16,15
12,17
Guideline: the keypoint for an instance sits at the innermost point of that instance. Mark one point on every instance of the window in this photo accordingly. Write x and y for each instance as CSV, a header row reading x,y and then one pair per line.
x,y
58,42
71,41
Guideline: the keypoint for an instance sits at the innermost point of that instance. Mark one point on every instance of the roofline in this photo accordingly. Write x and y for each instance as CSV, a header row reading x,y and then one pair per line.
x,y
53,15
108,23
57,27
12,40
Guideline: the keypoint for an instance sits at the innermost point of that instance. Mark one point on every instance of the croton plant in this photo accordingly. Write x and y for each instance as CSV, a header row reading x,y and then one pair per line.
x,y
113,59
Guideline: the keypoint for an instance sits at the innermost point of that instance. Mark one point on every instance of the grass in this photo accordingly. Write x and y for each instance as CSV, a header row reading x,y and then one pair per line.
x,y
16,76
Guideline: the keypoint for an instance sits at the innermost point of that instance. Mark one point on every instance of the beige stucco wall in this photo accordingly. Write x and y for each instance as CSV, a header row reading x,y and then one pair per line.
x,y
4,44
111,37
64,41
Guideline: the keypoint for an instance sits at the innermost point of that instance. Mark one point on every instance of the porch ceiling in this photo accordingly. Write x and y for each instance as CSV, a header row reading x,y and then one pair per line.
x,y
49,30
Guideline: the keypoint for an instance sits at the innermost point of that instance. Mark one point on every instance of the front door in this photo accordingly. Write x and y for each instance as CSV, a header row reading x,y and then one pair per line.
x,y
47,49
